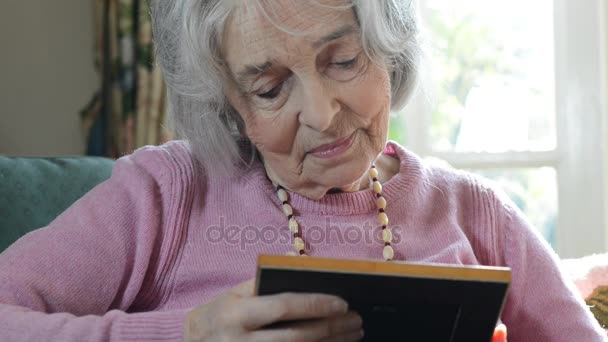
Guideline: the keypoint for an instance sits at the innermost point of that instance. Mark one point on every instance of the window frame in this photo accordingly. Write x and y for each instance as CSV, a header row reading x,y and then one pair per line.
x,y
581,155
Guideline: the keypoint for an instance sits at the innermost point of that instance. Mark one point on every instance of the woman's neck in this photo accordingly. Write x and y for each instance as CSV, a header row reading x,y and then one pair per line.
x,y
387,167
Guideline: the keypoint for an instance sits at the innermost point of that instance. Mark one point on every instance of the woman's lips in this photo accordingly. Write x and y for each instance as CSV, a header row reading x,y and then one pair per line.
x,y
333,149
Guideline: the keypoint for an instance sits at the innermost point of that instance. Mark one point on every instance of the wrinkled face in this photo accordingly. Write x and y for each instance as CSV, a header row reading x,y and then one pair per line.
x,y
314,104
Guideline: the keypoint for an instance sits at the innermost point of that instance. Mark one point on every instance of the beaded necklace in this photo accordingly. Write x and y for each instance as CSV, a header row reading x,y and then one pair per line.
x,y
387,235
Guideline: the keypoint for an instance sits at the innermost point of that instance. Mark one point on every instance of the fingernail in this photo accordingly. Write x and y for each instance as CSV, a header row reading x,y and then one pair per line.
x,y
339,305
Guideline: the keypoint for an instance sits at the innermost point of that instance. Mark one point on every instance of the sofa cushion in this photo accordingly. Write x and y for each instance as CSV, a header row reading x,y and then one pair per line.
x,y
33,191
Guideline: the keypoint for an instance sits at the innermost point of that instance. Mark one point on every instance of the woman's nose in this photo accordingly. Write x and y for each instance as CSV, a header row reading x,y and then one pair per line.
x,y
320,107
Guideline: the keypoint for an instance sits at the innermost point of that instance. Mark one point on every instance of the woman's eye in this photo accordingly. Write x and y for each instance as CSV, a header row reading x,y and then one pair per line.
x,y
272,93
346,64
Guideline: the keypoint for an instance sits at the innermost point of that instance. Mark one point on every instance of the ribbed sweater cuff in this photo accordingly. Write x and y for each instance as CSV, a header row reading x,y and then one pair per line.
x,y
153,326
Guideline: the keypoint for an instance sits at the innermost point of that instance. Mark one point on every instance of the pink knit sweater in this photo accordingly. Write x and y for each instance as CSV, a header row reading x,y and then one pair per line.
x,y
161,236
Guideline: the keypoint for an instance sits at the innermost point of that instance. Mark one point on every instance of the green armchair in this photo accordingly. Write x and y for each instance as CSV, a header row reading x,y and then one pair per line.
x,y
33,191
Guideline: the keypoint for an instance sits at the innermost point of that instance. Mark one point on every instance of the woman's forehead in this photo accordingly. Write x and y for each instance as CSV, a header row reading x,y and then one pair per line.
x,y
288,12
256,33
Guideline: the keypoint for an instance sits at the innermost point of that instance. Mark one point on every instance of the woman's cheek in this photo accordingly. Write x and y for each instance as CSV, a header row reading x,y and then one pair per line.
x,y
273,135
371,101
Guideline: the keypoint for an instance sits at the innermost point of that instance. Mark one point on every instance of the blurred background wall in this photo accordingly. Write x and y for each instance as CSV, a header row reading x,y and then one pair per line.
x,y
46,75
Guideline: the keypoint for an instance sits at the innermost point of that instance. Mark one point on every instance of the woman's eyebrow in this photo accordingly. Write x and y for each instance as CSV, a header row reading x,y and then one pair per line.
x,y
251,71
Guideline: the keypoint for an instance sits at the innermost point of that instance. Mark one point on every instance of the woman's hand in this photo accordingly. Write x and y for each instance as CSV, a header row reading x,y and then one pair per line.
x,y
500,333
238,315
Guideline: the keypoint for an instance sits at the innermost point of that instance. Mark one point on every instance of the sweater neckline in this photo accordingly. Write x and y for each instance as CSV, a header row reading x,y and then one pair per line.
x,y
349,203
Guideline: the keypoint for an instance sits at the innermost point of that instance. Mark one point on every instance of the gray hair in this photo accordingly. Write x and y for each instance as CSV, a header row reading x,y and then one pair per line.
x,y
187,36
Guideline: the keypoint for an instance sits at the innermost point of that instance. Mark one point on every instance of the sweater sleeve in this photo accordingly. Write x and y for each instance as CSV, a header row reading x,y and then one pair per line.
x,y
542,304
86,276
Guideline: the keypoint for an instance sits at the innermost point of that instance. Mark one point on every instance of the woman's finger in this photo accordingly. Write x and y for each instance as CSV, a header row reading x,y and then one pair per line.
x,y
264,310
329,329
244,289
500,333
352,336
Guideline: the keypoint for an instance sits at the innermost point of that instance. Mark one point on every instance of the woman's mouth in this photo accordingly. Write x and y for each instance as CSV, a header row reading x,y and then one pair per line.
x,y
333,149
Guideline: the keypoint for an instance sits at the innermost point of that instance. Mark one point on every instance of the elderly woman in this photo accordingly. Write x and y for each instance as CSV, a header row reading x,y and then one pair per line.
x,y
284,109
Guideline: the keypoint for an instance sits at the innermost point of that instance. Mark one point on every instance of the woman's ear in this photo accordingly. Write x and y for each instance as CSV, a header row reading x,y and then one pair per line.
x,y
236,107
236,100
235,116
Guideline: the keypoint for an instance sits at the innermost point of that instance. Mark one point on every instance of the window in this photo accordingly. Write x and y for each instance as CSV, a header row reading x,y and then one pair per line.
x,y
514,91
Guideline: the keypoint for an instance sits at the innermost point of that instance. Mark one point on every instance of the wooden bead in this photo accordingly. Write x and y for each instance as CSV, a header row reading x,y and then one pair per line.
x,y
387,235
388,253
298,244
287,209
381,203
293,225
373,173
282,195
377,187
383,219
